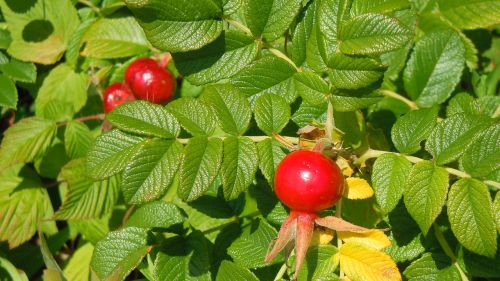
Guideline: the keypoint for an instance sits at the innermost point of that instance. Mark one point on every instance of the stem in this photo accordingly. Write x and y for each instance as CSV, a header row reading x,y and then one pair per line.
x,y
292,140
239,26
448,251
330,122
338,214
127,214
496,113
90,5
281,272
391,94
279,54
100,116
235,219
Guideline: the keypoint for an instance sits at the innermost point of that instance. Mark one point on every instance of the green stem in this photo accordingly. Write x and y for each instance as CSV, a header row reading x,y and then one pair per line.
x,y
281,272
330,122
238,25
90,5
448,251
279,54
292,140
394,95
235,219
338,214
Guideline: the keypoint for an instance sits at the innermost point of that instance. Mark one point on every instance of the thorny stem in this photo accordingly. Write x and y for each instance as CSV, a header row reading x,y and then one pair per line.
x,y
448,251
85,118
338,214
391,94
372,153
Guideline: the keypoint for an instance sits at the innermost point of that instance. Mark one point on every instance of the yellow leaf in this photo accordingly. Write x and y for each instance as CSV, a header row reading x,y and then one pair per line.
x,y
374,238
344,166
364,264
322,237
358,188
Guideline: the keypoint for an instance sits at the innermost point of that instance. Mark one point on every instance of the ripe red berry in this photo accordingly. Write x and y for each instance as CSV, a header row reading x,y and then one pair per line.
x,y
115,95
308,181
148,81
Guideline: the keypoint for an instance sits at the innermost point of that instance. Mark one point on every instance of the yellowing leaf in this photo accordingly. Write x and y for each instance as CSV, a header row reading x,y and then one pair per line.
x,y
322,237
374,238
364,264
358,188
344,166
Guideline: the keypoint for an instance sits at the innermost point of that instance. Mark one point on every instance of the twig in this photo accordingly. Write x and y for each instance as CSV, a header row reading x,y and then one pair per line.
x,y
100,116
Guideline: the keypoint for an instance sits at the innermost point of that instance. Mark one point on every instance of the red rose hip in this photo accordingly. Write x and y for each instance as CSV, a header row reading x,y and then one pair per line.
x,y
115,95
308,181
148,81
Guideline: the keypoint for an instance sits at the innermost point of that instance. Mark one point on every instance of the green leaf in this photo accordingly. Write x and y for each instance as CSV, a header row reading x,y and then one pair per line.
x,y
302,33
496,209
239,165
110,38
8,92
251,247
425,193
353,72
267,75
272,113
462,103
311,87
370,34
200,166
471,14
26,140
479,266
179,26
412,128
451,138
63,93
270,155
195,116
432,267
231,107
53,271
144,118
110,153
389,175
157,214
19,70
434,68
10,272
223,58
319,264
482,156
50,163
308,113
77,139
78,267
377,6
5,39
75,42
229,271
231,6
270,18
58,15
86,199
119,253
23,202
471,216
151,170
347,103
185,259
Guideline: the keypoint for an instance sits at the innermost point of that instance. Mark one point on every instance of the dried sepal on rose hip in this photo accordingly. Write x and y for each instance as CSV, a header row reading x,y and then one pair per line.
x,y
307,182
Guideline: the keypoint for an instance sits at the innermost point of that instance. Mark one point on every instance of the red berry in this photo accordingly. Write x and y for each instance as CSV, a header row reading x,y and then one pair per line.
x,y
148,81
115,95
308,181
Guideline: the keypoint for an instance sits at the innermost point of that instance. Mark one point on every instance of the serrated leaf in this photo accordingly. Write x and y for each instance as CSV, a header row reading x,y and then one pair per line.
x,y
23,203
361,263
78,267
110,153
272,113
26,140
8,92
119,253
110,38
496,210
311,87
178,26
389,176
425,193
370,34
377,6
451,138
373,238
434,68
63,93
19,70
320,264
239,165
348,103
144,118
251,247
353,72
223,58
270,18
308,113
200,166
195,116
75,42
483,156
432,267
471,14
77,139
229,271
358,188
231,107
231,6
86,199
412,128
157,214
186,259
267,75
151,170
471,217
462,103
270,155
